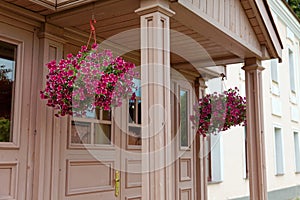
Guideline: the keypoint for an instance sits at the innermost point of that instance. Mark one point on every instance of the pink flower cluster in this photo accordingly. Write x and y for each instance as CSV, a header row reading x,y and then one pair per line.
x,y
218,112
89,80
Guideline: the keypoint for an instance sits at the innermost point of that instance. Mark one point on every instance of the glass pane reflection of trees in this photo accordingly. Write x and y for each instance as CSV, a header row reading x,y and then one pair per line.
x,y
7,84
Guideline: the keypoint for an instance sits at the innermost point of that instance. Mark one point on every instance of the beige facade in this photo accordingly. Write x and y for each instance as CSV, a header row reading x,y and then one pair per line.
x,y
154,155
281,121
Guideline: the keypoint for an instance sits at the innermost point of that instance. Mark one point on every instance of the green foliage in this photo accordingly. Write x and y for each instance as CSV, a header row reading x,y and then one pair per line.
x,y
295,5
4,130
3,72
296,198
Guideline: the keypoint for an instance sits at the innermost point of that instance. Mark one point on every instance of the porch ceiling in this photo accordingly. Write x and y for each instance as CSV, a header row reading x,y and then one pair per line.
x,y
188,47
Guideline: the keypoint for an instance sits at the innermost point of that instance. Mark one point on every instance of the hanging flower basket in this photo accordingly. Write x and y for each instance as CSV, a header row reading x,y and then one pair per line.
x,y
218,112
91,79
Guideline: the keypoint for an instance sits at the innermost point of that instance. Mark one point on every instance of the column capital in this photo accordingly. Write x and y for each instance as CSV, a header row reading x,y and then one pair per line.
x,y
253,64
155,8
51,32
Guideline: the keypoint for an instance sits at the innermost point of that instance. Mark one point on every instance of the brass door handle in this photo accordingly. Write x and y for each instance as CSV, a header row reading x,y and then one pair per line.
x,y
117,183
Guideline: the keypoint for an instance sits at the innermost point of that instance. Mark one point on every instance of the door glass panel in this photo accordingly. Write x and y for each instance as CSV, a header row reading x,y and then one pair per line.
x,y
134,135
93,129
102,133
106,115
184,118
7,84
135,117
81,132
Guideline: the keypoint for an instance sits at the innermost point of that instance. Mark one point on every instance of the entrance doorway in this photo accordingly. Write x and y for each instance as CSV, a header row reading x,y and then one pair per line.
x,y
15,106
101,154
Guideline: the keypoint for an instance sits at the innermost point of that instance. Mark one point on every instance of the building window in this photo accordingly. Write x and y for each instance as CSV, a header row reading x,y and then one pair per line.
x,y
208,158
7,85
135,118
292,72
246,162
214,162
297,151
184,128
279,159
95,129
274,70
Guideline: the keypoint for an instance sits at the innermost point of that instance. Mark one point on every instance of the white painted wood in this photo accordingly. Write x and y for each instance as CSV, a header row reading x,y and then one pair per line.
x,y
289,34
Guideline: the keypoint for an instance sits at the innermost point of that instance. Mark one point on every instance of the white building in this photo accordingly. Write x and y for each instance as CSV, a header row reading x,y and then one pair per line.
x,y
281,94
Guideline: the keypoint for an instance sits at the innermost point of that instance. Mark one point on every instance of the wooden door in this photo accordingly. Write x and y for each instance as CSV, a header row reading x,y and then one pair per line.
x,y
131,164
90,158
182,101
100,157
16,46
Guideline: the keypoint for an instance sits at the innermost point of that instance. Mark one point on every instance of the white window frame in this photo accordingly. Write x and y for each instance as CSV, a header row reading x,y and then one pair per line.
x,y
245,155
279,158
274,71
296,136
216,158
292,71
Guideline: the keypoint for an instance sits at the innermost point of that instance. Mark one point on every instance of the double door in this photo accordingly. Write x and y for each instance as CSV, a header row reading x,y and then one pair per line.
x,y
101,155
16,106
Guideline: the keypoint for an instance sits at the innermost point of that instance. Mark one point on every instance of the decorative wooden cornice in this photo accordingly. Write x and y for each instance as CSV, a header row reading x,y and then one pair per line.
x,y
259,15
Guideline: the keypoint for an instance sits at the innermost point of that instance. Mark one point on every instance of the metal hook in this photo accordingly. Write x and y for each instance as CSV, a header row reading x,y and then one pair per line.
x,y
223,76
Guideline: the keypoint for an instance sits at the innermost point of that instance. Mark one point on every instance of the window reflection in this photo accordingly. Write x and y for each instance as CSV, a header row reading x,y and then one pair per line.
x,y
102,133
81,132
95,129
135,116
7,84
184,118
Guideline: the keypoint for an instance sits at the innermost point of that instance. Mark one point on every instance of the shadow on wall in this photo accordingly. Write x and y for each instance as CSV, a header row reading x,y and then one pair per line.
x,y
290,193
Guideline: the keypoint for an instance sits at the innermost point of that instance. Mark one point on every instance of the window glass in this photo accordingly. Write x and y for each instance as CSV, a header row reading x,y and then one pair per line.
x,y
81,132
297,151
102,133
246,167
135,116
96,128
184,118
292,71
279,152
208,157
274,72
7,84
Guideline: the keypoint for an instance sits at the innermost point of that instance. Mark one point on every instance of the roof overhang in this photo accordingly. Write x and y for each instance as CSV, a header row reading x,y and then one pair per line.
x,y
267,24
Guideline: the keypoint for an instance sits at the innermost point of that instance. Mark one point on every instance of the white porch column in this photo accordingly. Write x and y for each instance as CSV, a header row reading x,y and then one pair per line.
x,y
157,179
255,129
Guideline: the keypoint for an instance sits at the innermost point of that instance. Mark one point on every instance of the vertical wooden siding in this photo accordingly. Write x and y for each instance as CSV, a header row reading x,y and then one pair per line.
x,y
227,15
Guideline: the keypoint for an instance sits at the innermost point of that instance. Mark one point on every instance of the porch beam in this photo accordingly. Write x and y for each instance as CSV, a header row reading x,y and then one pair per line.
x,y
157,178
255,129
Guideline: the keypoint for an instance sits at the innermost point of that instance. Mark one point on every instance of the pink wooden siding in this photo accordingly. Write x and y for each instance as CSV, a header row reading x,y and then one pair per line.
x,y
227,15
